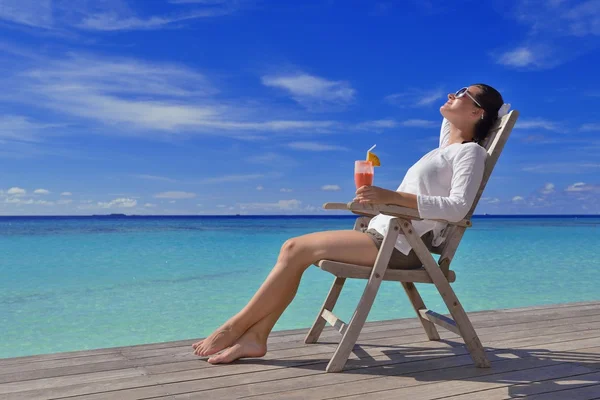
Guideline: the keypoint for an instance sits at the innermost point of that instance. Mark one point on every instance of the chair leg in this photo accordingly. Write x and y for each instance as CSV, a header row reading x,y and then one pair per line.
x,y
457,311
418,304
332,297
340,357
467,332
337,362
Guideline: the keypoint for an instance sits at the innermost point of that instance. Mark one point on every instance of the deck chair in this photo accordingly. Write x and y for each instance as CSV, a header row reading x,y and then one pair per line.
x,y
437,273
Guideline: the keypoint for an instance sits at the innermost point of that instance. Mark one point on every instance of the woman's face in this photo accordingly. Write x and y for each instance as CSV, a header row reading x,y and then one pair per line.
x,y
460,110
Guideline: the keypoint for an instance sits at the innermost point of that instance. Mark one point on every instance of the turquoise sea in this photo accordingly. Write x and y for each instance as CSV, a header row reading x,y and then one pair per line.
x,y
72,283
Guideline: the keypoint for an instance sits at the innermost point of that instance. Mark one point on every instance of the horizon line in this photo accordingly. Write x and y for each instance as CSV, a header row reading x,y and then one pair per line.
x,y
117,215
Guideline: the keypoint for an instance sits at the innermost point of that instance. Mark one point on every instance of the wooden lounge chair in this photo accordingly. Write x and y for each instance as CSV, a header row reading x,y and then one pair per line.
x,y
437,273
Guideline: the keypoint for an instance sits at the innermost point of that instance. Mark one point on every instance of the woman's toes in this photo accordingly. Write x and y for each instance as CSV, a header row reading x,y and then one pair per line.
x,y
195,345
227,356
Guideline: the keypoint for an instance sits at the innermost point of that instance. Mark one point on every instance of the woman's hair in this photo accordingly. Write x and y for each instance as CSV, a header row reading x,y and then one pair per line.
x,y
491,101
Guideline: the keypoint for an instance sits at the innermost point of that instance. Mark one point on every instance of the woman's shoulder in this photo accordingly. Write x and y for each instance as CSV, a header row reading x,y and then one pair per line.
x,y
470,149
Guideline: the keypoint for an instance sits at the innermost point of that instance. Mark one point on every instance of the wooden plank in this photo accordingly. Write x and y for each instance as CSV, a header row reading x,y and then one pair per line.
x,y
332,297
66,362
345,270
452,382
440,320
558,389
334,321
48,383
591,392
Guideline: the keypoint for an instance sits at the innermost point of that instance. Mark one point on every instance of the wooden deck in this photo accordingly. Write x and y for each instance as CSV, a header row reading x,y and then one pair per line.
x,y
549,352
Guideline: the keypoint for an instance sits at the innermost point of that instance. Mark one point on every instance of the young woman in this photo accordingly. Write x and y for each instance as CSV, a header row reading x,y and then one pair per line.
x,y
441,185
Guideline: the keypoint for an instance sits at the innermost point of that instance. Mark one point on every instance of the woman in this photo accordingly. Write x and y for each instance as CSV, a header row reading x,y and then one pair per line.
x,y
441,185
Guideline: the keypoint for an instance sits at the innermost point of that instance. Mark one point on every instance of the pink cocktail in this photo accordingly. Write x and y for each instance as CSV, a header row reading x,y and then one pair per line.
x,y
363,173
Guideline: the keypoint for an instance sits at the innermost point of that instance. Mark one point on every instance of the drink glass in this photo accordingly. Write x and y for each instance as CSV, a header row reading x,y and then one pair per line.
x,y
363,173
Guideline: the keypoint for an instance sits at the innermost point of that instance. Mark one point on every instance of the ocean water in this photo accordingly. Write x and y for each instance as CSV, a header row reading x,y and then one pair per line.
x,y
73,283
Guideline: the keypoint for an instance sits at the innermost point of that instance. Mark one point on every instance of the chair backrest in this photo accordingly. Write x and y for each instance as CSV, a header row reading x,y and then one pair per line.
x,y
494,144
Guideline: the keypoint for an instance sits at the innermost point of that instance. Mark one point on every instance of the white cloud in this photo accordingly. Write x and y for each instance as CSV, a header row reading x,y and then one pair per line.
x,y
35,13
102,15
22,129
331,188
66,194
175,195
292,204
150,205
232,178
154,178
548,188
378,124
123,202
420,123
558,31
309,90
41,191
560,18
517,199
416,97
490,200
271,158
19,201
538,123
519,57
157,98
64,201
259,188
115,22
285,190
561,168
16,191
590,127
583,187
314,146
204,2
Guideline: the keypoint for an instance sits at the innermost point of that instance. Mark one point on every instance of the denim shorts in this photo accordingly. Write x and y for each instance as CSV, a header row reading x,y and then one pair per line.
x,y
399,260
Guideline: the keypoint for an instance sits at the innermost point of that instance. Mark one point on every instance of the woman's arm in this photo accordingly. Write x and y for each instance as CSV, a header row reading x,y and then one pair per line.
x,y
377,195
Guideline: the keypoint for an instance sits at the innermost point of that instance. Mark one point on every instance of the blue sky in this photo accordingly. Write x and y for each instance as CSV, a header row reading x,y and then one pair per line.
x,y
261,107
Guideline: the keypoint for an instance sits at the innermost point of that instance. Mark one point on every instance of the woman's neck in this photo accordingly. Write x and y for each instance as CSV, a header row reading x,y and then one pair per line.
x,y
458,135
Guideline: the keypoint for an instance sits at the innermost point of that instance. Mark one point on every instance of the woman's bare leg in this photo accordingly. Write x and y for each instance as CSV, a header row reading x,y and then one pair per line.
x,y
281,285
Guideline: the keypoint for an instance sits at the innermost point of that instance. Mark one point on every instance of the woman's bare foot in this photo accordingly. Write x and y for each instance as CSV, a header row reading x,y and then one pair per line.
x,y
220,339
249,345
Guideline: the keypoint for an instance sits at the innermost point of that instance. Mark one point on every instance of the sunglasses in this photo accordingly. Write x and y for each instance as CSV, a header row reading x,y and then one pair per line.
x,y
465,91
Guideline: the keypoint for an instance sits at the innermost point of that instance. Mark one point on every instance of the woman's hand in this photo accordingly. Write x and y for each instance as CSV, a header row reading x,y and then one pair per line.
x,y
373,195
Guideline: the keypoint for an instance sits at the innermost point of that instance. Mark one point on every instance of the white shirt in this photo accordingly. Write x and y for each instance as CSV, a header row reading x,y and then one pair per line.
x,y
445,181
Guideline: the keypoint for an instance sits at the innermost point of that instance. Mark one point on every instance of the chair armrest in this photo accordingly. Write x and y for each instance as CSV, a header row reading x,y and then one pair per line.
x,y
387,209
372,209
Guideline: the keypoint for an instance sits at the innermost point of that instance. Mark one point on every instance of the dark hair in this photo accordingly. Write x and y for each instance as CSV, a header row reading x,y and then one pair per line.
x,y
491,101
